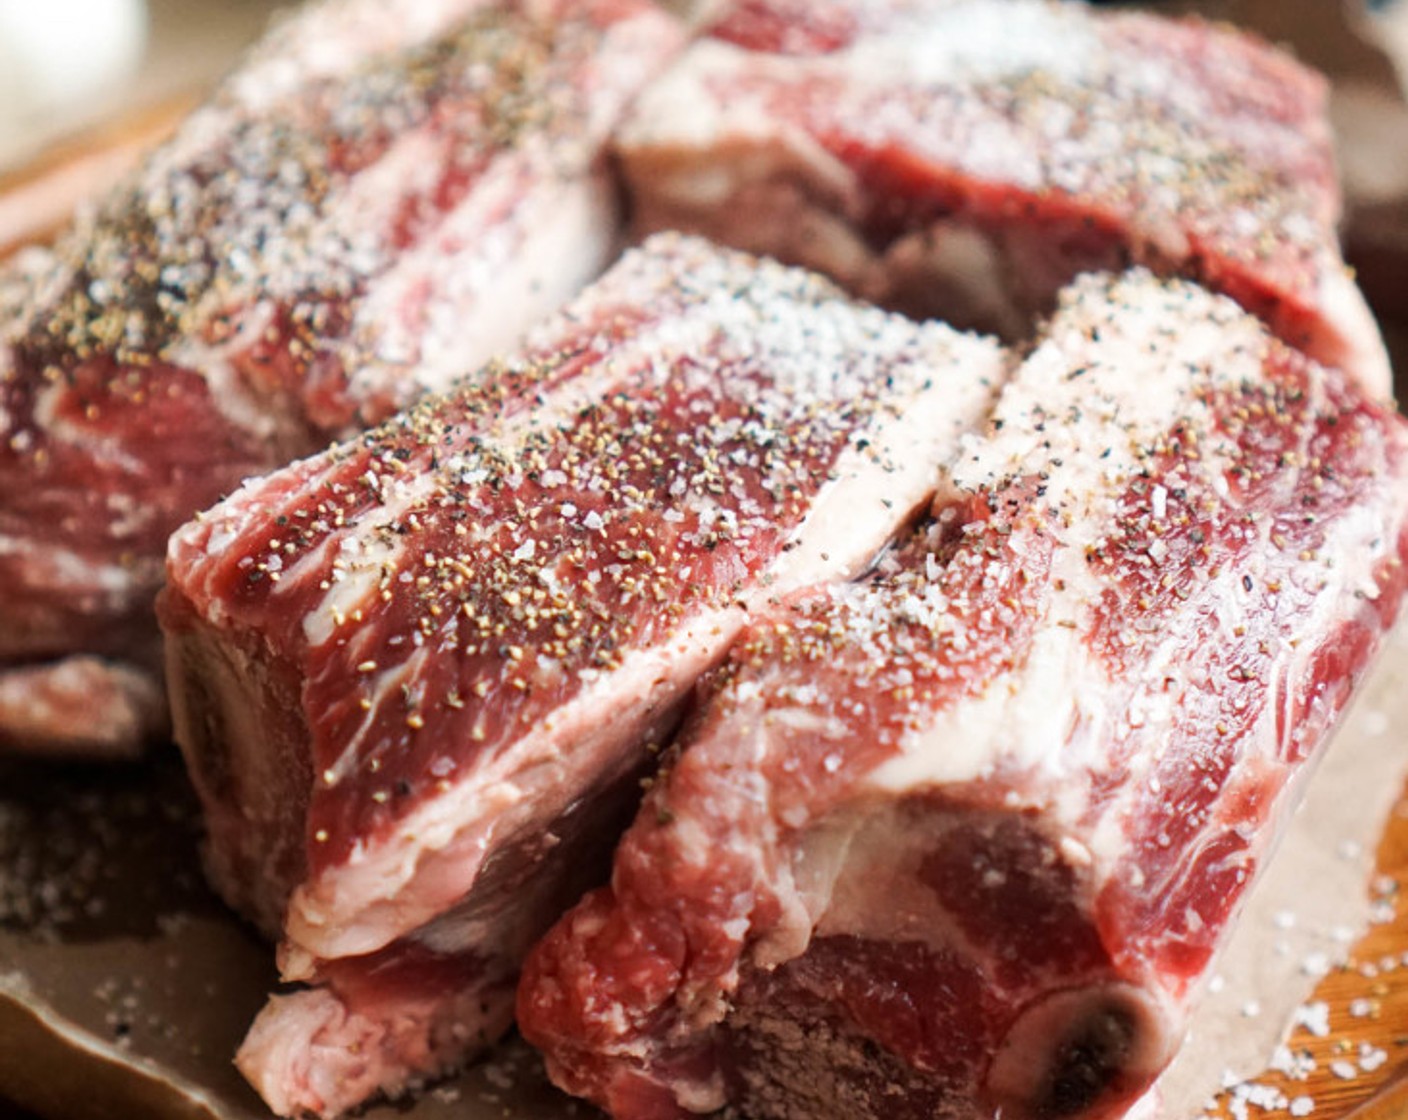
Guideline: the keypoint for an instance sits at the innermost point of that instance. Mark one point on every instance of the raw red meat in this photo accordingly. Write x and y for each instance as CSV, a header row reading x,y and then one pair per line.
x,y
378,201
418,678
966,158
963,838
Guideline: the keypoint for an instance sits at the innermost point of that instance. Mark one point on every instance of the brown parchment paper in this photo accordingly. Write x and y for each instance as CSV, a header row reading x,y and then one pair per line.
x,y
1311,902
125,987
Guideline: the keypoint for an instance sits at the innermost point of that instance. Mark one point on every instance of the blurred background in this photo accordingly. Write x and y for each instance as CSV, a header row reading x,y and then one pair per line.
x,y
86,85
70,64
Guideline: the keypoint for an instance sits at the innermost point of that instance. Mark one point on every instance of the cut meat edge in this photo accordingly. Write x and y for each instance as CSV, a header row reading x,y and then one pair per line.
x,y
433,880
996,263
877,489
635,995
81,707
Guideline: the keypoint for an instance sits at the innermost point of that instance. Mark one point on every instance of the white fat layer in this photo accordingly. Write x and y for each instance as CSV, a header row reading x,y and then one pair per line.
x,y
962,42
1158,343
308,1053
411,167
228,392
333,39
488,277
850,519
51,567
1086,433
1359,345
977,41
681,108
1155,346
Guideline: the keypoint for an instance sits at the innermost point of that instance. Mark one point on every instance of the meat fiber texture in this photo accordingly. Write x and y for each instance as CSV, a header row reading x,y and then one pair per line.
x,y
966,158
963,838
376,202
418,678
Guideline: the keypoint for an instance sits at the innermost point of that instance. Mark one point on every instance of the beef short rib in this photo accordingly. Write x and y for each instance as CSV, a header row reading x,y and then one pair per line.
x,y
417,677
966,158
963,837
376,202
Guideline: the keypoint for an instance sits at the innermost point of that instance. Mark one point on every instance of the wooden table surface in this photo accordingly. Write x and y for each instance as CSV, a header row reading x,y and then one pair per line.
x,y
1367,1001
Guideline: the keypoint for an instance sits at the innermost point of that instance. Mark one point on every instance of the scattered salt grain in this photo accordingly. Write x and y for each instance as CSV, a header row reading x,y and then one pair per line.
x,y
498,1076
1371,1057
1314,1017
1295,1065
1316,965
1250,1094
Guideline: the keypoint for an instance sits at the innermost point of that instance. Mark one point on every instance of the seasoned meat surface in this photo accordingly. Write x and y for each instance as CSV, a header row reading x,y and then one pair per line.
x,y
375,203
964,836
419,676
966,158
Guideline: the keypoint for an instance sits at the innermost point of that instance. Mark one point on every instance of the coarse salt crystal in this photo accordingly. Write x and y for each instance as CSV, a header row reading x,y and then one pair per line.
x,y
1314,1017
